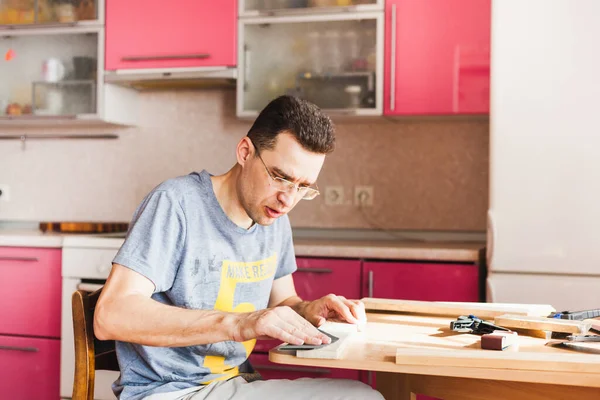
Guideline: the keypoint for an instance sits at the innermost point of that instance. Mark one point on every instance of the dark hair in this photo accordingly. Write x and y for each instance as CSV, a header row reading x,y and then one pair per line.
x,y
288,114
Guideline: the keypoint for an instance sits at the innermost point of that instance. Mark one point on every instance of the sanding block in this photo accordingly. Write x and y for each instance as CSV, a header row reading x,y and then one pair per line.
x,y
309,346
498,340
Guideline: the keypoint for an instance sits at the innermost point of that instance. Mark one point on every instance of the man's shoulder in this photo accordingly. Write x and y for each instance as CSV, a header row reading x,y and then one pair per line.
x,y
180,185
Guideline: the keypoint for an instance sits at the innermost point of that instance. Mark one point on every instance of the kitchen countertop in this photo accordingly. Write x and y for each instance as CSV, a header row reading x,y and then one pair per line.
x,y
389,249
304,247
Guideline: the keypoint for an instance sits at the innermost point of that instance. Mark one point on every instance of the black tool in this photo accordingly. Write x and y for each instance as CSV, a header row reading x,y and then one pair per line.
x,y
583,338
473,324
309,346
576,315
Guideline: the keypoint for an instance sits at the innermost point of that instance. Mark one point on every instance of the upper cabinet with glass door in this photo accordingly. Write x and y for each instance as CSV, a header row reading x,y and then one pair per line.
x,y
273,7
334,60
44,13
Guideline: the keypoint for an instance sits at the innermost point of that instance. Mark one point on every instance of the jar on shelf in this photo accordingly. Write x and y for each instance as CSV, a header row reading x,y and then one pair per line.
x,y
65,11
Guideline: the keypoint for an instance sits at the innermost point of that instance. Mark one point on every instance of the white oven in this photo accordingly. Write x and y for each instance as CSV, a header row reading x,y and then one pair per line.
x,y
86,263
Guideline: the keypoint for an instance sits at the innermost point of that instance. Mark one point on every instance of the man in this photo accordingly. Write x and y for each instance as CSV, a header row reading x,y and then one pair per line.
x,y
206,269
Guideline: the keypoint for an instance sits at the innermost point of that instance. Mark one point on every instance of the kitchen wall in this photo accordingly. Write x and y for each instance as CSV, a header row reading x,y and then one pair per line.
x,y
427,174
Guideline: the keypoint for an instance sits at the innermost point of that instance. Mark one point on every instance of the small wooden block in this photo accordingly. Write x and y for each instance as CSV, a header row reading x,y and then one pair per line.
x,y
541,323
498,340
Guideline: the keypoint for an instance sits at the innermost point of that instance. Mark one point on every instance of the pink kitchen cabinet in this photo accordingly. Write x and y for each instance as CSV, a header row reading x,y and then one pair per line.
x,y
143,34
421,281
30,291
437,58
30,304
29,368
318,277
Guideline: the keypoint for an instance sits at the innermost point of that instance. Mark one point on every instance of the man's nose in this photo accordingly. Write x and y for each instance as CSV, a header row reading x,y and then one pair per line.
x,y
287,198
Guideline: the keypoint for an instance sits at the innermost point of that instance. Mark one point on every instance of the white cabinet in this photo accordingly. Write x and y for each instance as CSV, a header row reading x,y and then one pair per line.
x,y
333,58
53,73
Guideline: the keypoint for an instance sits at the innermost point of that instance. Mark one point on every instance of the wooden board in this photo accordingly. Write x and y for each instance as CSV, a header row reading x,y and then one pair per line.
x,y
513,360
344,332
84,227
541,323
454,309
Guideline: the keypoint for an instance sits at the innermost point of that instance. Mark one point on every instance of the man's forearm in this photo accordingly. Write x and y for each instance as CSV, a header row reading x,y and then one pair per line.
x,y
296,303
139,319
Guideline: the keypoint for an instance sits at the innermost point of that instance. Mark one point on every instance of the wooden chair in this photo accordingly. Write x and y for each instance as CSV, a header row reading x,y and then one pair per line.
x,y
91,354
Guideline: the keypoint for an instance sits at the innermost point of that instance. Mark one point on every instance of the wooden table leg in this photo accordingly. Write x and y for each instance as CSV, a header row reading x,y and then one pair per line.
x,y
394,386
405,387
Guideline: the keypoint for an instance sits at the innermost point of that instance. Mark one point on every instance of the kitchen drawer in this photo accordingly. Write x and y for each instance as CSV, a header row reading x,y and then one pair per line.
x,y
318,277
89,262
30,291
29,368
270,370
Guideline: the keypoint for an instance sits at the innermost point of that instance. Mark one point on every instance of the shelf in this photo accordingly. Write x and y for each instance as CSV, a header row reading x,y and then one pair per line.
x,y
71,82
303,11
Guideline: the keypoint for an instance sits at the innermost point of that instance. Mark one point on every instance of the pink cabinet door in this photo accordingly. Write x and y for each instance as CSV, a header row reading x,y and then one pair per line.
x,y
269,370
437,59
318,277
30,291
29,368
170,34
421,281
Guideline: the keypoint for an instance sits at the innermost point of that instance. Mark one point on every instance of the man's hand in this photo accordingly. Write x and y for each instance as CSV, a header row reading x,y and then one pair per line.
x,y
332,307
281,323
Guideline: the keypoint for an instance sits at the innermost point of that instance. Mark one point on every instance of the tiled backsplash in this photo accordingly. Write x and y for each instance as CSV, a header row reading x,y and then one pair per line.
x,y
427,174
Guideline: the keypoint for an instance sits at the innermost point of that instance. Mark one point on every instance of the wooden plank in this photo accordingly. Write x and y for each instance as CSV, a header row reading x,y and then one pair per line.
x,y
509,360
541,323
477,389
481,310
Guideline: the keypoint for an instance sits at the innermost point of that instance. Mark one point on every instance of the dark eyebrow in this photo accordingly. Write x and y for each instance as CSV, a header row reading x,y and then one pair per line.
x,y
288,177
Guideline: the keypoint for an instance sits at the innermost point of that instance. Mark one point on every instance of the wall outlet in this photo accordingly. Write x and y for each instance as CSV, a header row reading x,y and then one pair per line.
x,y
363,196
4,193
334,195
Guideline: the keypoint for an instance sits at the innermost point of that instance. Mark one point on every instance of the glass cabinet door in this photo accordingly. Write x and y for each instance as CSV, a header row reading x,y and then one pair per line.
x,y
332,63
50,75
262,6
27,12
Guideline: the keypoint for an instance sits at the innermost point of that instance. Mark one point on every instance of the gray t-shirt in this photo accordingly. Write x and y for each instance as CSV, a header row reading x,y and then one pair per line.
x,y
181,239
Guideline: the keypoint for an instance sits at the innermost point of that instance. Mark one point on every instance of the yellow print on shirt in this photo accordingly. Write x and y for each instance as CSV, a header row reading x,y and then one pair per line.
x,y
232,273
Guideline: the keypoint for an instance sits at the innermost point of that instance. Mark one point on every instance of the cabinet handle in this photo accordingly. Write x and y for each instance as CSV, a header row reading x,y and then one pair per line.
x,y
10,258
393,61
16,348
371,283
315,270
166,57
290,369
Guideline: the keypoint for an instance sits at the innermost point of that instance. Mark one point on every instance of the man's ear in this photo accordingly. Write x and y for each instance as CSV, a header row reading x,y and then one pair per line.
x,y
244,150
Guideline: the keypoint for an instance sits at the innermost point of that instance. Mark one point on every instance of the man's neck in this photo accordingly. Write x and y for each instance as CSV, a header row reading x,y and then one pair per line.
x,y
226,194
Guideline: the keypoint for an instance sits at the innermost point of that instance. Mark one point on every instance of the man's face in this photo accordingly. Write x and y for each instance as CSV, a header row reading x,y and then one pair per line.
x,y
288,160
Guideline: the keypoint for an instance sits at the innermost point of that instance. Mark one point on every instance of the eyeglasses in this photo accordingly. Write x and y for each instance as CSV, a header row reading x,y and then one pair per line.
x,y
283,185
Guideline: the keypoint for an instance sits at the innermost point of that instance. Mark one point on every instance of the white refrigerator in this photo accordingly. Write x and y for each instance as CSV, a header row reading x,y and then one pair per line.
x,y
544,214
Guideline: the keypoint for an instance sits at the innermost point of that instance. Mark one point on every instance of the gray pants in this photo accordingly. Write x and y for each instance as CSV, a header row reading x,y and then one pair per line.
x,y
298,389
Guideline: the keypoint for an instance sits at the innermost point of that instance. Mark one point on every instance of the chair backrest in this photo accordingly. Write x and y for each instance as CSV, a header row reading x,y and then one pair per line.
x,y
91,354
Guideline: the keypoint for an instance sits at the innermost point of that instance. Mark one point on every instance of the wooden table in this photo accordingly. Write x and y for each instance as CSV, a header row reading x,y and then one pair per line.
x,y
434,361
